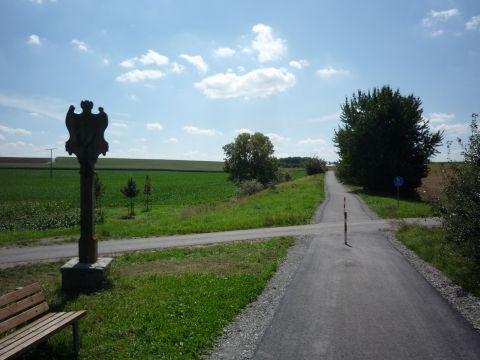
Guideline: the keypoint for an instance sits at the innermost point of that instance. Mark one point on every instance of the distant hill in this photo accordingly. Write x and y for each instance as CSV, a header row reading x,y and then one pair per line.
x,y
117,164
23,160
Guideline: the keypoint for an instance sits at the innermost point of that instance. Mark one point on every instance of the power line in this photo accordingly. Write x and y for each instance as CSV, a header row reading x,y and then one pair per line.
x,y
51,160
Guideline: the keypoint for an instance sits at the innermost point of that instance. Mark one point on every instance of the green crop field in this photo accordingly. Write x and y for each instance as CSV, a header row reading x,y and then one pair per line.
x,y
37,206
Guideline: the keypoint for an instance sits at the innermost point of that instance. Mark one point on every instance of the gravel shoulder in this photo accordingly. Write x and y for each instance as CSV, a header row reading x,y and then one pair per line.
x,y
241,338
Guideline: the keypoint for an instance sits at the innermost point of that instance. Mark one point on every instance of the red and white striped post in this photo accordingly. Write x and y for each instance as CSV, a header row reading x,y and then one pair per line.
x,y
345,218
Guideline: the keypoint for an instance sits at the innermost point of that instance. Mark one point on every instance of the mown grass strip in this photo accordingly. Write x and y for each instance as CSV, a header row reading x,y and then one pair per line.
x,y
169,304
430,245
385,206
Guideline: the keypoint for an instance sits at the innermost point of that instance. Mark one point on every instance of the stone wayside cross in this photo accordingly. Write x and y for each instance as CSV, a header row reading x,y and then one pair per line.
x,y
87,142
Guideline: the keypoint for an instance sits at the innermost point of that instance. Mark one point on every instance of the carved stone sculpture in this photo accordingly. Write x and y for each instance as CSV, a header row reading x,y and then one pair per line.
x,y
87,142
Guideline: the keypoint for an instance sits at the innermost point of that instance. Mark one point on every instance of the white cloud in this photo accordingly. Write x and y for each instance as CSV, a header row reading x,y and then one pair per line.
x,y
326,118
473,23
435,19
105,61
330,71
154,126
310,141
277,137
268,47
436,33
14,131
171,140
48,107
20,148
440,117
455,129
298,64
140,75
241,69
34,40
80,45
40,2
152,57
197,131
257,83
177,68
223,52
128,63
2,137
242,131
119,125
197,61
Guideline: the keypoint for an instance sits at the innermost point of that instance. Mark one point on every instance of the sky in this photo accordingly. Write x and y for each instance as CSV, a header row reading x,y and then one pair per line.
x,y
180,79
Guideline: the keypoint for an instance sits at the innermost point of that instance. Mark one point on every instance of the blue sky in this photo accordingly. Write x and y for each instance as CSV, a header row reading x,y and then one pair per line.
x,y
180,79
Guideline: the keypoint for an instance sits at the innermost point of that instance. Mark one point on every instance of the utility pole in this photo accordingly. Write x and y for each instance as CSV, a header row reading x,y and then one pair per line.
x,y
51,160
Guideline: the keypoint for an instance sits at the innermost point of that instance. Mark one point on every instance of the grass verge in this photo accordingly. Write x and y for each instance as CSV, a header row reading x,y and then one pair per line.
x,y
430,245
290,203
169,304
385,206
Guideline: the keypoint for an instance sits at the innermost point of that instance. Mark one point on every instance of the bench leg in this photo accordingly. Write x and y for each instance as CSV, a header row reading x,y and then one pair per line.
x,y
76,338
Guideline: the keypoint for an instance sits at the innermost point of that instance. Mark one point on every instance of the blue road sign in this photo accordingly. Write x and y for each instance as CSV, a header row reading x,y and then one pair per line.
x,y
398,181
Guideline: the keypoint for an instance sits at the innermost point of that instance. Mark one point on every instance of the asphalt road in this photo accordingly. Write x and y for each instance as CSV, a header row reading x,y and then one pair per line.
x,y
364,301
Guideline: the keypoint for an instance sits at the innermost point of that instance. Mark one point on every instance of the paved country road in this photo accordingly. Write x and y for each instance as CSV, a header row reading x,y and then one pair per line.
x,y
364,302
12,256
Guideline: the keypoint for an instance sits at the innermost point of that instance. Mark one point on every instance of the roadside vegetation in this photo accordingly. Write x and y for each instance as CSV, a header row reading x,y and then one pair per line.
x,y
431,245
386,207
181,203
455,247
169,304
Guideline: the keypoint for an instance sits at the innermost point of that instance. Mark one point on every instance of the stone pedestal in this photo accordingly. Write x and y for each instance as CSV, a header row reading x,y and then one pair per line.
x,y
84,277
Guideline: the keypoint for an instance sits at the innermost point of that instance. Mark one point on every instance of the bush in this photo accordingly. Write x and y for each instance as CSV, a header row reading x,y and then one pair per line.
x,y
315,166
461,207
249,187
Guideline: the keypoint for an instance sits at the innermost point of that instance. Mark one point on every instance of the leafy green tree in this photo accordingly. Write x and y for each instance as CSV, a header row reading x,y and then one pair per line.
x,y
250,157
315,166
383,134
130,191
147,192
460,208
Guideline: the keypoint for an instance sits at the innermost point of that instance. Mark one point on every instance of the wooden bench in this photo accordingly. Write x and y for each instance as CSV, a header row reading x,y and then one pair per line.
x,y
24,305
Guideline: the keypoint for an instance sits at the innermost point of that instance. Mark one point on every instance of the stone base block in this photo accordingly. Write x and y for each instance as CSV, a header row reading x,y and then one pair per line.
x,y
84,277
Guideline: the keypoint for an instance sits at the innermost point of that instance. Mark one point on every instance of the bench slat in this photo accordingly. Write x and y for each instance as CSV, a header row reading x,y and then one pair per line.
x,y
23,317
23,304
30,327
49,327
19,294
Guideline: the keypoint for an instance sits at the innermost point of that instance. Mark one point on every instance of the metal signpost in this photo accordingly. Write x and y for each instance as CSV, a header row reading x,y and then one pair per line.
x,y
398,181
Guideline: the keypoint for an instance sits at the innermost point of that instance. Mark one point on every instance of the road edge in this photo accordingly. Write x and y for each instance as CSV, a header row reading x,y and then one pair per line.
x,y
465,303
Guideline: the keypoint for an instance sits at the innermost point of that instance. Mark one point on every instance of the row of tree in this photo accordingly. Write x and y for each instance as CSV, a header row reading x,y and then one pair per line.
x,y
130,191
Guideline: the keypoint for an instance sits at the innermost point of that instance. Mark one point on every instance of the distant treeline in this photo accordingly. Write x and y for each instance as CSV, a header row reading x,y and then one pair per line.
x,y
293,161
